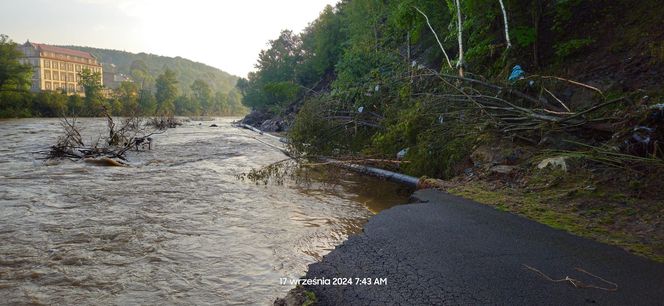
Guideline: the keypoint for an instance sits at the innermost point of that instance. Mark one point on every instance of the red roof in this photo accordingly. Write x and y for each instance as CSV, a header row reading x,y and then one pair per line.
x,y
54,49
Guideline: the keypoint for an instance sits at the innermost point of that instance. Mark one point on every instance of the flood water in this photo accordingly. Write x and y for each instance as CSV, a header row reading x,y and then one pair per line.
x,y
176,227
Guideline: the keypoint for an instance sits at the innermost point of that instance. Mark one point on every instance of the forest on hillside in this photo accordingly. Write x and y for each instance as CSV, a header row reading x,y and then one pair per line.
x,y
189,89
144,68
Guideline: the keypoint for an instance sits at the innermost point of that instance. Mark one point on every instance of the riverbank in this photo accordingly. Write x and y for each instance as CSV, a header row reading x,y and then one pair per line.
x,y
606,204
444,249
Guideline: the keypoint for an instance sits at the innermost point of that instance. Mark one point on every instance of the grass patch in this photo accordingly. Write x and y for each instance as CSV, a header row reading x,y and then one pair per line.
x,y
311,298
591,212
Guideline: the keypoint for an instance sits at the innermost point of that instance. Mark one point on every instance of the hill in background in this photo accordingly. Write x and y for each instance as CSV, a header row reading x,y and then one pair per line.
x,y
144,68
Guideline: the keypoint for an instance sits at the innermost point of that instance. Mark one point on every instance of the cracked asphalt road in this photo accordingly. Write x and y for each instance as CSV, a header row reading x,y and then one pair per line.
x,y
451,251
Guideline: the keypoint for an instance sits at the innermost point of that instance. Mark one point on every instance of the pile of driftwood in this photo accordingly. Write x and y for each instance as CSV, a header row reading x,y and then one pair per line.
x,y
130,134
164,122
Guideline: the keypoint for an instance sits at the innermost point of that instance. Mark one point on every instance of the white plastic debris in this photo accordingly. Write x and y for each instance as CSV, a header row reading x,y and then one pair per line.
x,y
554,162
402,154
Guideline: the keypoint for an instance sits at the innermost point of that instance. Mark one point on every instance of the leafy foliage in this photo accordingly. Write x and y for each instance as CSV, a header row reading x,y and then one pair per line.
x,y
524,36
91,82
166,92
13,74
565,49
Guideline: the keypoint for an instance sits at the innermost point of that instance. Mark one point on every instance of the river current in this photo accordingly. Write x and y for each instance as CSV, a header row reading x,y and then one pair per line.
x,y
175,227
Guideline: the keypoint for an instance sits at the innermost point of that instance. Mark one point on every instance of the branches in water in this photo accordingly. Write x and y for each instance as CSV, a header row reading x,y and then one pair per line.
x,y
130,134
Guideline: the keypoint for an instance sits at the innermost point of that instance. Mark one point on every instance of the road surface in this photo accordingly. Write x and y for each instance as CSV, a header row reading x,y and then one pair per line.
x,y
446,250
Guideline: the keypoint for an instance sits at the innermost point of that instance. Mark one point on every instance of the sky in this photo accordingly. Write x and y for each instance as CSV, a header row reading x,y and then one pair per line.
x,y
226,34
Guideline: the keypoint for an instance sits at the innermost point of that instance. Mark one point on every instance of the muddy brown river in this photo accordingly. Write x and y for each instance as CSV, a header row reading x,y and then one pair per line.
x,y
176,227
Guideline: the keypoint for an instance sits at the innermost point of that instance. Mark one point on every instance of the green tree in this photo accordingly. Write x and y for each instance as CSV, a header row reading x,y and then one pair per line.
x,y
202,94
13,74
234,104
147,102
128,96
166,92
274,84
322,45
75,105
15,104
91,82
185,105
50,104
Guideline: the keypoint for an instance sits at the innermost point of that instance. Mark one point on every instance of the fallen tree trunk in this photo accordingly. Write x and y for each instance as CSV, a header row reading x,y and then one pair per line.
x,y
373,171
400,178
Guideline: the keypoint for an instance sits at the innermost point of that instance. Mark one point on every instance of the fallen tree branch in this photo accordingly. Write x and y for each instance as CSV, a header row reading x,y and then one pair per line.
x,y
573,82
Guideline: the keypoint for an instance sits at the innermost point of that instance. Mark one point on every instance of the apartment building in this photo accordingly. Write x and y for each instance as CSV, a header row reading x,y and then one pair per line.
x,y
57,68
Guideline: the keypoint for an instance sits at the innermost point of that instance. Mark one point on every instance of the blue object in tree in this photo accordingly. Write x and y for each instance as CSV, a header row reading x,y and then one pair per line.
x,y
517,74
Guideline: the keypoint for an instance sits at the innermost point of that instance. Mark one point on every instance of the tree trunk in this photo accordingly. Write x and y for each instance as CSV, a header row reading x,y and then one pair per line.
x,y
507,27
460,62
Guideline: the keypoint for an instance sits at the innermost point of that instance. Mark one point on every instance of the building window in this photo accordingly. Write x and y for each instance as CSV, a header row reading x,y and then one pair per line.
x,y
56,76
70,77
47,63
70,87
47,74
63,66
78,68
48,86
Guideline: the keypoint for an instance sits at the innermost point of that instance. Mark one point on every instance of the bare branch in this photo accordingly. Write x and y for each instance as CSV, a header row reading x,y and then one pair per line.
x,y
435,35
